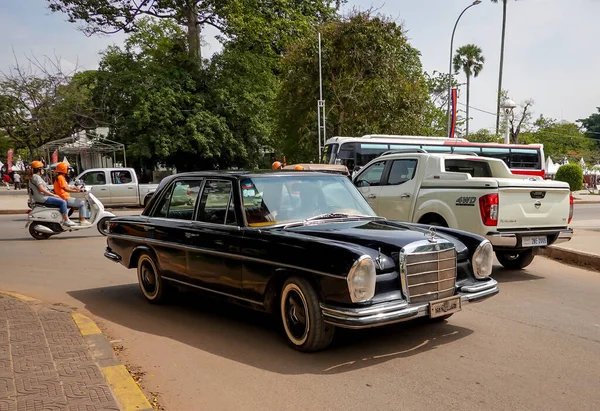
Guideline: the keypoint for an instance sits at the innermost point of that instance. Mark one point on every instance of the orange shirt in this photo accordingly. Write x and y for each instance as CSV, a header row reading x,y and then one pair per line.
x,y
59,187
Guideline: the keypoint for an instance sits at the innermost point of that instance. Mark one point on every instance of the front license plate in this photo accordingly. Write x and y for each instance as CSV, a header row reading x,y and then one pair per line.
x,y
445,306
534,241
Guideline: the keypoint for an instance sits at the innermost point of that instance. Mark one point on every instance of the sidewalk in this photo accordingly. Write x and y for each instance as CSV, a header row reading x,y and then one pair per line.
x,y
13,204
54,359
583,249
585,197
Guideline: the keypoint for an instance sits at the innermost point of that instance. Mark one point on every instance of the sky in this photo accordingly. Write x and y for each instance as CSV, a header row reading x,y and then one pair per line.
x,y
550,56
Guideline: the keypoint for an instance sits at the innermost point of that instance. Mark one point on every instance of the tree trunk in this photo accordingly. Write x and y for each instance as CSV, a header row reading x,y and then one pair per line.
x,y
504,2
468,101
193,31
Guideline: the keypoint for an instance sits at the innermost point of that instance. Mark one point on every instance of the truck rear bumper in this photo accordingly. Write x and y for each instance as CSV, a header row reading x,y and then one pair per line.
x,y
513,239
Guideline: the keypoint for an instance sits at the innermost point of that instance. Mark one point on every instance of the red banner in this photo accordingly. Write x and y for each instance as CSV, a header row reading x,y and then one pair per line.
x,y
9,156
454,104
54,157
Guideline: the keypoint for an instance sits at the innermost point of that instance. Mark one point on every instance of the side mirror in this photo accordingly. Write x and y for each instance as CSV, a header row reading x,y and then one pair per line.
x,y
362,183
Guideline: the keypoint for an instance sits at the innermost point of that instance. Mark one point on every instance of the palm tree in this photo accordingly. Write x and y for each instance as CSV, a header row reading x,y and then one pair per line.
x,y
504,3
469,59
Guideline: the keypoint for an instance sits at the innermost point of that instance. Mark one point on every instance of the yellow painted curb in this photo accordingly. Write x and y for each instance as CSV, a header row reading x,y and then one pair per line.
x,y
85,324
19,296
128,393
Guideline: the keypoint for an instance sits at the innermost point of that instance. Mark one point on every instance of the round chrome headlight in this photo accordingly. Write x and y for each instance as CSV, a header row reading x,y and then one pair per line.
x,y
361,279
483,260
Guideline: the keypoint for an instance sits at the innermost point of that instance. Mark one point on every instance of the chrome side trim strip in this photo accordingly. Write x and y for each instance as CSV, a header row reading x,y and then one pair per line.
x,y
213,291
221,254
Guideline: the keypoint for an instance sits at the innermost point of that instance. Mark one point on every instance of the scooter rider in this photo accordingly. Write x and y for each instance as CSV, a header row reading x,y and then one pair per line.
x,y
41,195
62,188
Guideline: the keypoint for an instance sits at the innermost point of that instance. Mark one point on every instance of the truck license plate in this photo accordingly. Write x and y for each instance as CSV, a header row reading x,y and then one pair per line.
x,y
534,241
445,306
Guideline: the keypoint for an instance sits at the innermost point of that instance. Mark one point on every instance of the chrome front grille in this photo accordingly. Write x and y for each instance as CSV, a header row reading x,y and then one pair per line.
x,y
428,272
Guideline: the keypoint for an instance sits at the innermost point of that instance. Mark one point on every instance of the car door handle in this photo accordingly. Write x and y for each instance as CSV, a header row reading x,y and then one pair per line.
x,y
190,235
102,189
130,188
405,195
148,228
372,196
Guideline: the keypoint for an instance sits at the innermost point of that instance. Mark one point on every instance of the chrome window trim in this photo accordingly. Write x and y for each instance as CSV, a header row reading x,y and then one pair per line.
x,y
221,254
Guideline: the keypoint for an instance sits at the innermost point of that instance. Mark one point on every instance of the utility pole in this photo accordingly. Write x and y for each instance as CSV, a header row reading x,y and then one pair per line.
x,y
504,2
321,107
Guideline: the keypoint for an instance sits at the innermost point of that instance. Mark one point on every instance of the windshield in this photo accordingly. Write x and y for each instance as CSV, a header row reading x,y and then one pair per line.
x,y
286,199
329,152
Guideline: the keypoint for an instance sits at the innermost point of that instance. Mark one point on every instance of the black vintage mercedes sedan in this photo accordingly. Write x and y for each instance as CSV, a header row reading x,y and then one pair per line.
x,y
303,245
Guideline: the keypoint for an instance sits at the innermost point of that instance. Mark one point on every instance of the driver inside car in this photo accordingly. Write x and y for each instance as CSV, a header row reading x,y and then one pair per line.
x,y
62,188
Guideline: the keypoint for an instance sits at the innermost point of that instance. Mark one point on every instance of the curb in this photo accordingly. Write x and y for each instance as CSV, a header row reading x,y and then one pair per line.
x,y
586,202
577,258
126,391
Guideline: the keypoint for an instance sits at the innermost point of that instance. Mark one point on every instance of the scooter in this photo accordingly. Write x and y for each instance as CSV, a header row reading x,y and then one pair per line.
x,y
44,221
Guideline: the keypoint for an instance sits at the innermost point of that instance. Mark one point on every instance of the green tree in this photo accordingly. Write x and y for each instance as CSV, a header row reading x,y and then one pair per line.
x,y
40,103
484,136
592,125
264,21
571,173
372,83
469,58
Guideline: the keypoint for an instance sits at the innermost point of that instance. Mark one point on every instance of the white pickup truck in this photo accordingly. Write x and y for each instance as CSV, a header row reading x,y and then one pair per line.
x,y
477,194
117,186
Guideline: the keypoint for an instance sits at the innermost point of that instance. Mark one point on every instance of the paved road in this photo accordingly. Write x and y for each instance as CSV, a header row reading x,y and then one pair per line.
x,y
536,346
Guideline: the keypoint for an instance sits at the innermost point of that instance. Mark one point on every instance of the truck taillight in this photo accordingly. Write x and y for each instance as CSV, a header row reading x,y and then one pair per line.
x,y
570,208
488,206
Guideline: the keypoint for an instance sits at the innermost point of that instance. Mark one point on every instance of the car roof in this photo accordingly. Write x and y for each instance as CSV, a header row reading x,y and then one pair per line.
x,y
254,173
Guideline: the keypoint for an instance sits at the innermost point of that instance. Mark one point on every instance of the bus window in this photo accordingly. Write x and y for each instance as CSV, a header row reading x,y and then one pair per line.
x,y
497,152
366,152
437,149
329,152
466,150
346,155
524,158
403,146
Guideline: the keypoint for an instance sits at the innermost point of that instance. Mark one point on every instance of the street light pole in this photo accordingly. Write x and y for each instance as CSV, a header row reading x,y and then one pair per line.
x,y
449,117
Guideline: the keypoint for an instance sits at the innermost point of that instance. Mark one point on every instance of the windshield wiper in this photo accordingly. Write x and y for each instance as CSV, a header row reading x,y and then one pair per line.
x,y
329,216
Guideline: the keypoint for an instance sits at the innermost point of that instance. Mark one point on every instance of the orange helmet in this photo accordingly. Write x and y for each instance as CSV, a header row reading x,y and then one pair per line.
x,y
276,165
299,168
37,164
62,168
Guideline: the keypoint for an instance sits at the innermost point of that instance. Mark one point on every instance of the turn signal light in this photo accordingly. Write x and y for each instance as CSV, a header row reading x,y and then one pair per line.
x,y
570,208
488,206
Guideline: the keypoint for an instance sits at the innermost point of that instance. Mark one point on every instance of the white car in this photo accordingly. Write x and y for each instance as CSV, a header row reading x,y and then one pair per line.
x,y
117,186
517,214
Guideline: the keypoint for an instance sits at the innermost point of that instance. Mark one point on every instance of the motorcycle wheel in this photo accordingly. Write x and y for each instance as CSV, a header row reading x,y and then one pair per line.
x,y
37,235
103,225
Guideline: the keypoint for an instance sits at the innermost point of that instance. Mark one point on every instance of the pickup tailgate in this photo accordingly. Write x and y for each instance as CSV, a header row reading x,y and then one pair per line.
x,y
532,204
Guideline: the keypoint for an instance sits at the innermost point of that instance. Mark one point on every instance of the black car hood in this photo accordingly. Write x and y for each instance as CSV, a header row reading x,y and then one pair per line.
x,y
387,235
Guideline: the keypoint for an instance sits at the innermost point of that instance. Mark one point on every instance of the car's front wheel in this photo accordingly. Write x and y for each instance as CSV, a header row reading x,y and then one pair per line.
x,y
150,280
515,260
301,316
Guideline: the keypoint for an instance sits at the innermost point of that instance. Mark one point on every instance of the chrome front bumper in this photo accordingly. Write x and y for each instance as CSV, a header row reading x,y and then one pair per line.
x,y
511,240
394,312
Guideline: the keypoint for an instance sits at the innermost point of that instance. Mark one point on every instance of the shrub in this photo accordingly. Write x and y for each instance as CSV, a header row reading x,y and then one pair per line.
x,y
572,174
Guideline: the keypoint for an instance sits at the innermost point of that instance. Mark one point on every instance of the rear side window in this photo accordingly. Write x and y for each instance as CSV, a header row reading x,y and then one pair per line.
x,y
121,177
179,200
473,167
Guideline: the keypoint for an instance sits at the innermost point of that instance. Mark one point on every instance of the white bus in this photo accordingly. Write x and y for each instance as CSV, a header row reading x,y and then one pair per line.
x,y
355,152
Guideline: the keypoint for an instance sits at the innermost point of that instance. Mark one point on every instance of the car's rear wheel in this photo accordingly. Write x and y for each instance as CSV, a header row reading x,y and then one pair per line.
x,y
515,260
150,280
301,316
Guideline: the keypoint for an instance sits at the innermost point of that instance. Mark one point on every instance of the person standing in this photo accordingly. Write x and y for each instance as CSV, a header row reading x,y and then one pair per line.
x,y
17,180
6,180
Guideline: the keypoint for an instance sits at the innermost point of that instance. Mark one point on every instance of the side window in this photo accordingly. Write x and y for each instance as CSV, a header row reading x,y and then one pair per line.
x,y
372,175
216,203
179,201
94,178
121,177
401,172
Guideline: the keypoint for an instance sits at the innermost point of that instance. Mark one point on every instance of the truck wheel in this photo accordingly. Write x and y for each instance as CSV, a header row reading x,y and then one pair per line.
x,y
433,220
301,316
515,260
